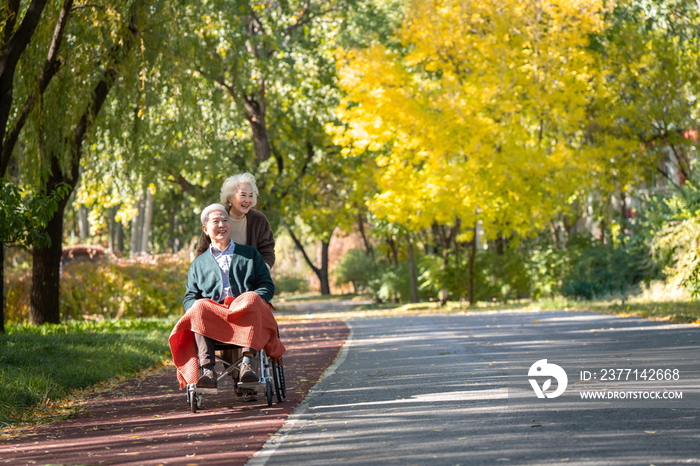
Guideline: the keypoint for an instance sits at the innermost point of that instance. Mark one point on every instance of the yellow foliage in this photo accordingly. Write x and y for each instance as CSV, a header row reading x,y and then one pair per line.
x,y
480,117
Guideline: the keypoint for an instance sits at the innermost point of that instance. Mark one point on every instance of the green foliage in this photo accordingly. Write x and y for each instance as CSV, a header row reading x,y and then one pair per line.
x,y
290,284
676,237
389,283
535,269
597,270
501,277
23,216
546,264
496,277
111,288
431,276
355,267
55,359
393,284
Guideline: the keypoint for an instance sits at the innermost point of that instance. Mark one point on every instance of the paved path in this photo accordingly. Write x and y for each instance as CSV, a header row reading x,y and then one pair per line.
x,y
148,421
435,390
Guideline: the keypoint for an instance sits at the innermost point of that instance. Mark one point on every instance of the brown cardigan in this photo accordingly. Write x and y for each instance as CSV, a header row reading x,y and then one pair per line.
x,y
258,234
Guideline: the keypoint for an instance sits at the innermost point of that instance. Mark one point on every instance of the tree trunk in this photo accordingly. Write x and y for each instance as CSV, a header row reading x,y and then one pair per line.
x,y
147,221
260,141
500,245
110,228
458,272
46,269
444,292
437,240
368,247
74,226
472,257
176,231
412,266
394,252
255,110
137,229
3,304
135,235
325,285
112,224
445,241
623,216
83,223
120,236
322,272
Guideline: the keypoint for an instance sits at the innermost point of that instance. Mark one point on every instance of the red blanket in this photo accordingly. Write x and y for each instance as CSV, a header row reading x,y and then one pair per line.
x,y
247,322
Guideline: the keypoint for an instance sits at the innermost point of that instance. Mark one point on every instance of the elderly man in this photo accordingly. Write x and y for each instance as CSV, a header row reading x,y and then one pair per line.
x,y
226,269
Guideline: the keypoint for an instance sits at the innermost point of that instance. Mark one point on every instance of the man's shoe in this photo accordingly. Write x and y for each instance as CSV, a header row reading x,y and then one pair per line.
x,y
251,395
208,378
247,374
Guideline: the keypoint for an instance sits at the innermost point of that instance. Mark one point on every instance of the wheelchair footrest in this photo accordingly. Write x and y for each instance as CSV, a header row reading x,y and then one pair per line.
x,y
250,384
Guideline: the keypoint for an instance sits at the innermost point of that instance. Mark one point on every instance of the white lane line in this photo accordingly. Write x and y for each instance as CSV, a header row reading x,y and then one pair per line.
x,y
261,457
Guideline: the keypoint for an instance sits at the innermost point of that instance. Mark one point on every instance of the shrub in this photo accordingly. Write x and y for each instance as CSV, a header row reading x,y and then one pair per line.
x,y
681,240
394,283
356,267
391,283
149,286
597,270
501,277
546,265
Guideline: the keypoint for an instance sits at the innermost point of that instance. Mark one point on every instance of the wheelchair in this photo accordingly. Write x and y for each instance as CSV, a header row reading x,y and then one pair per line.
x,y
270,375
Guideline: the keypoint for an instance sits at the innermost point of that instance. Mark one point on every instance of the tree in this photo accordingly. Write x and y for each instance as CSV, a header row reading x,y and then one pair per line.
x,y
476,115
60,147
21,221
14,42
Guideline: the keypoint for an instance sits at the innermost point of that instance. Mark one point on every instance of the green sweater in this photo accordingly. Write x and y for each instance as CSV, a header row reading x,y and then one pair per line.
x,y
248,272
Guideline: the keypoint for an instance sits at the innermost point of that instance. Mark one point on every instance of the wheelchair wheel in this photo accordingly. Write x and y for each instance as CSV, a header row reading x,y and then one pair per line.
x,y
193,403
278,379
268,393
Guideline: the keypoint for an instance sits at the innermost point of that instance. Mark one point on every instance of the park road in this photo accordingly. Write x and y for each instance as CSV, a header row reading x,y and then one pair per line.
x,y
438,390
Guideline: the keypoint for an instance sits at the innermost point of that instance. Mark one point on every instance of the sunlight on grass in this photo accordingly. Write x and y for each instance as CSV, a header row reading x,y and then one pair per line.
x,y
40,365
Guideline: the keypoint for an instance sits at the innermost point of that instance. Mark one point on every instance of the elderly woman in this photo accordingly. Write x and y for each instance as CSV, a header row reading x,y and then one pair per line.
x,y
239,194
226,269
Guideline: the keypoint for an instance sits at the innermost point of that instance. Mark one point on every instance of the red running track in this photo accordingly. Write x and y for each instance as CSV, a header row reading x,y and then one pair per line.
x,y
148,422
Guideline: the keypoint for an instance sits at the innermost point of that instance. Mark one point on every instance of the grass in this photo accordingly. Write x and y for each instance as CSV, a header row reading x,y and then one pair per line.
x,y
674,311
40,364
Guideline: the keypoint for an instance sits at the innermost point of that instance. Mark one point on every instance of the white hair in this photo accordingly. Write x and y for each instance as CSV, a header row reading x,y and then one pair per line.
x,y
212,208
233,183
